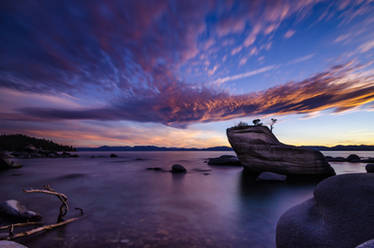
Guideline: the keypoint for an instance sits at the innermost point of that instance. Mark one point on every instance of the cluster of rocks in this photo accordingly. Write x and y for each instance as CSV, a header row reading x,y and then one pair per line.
x,y
353,158
341,214
6,164
260,151
225,160
31,151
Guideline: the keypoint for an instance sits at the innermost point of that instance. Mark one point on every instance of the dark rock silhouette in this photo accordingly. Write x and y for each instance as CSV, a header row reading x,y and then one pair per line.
x,y
177,168
259,150
369,168
341,214
353,158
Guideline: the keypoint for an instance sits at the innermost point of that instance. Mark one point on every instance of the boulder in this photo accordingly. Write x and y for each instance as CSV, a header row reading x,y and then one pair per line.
x,y
341,214
370,168
353,158
13,209
259,150
225,160
367,244
270,176
6,164
177,168
112,155
10,244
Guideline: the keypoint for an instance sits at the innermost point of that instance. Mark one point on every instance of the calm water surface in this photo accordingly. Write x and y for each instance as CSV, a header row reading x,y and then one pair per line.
x,y
128,206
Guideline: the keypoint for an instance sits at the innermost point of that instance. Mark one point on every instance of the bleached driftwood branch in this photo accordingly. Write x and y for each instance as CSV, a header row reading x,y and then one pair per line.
x,y
20,224
62,197
39,229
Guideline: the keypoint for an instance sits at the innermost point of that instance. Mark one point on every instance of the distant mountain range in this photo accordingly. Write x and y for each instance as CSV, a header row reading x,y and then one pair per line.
x,y
216,148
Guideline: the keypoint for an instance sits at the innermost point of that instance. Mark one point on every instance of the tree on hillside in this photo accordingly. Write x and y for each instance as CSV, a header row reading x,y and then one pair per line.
x,y
257,122
273,121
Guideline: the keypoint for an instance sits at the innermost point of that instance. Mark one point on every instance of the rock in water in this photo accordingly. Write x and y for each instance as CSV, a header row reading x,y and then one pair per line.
x,y
225,160
353,158
259,150
10,244
177,168
15,210
341,214
369,168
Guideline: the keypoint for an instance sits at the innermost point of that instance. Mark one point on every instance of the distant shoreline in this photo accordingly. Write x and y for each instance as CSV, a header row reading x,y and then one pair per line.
x,y
218,148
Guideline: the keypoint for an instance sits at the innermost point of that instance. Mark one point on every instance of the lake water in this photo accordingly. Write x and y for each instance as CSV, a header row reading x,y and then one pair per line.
x,y
126,205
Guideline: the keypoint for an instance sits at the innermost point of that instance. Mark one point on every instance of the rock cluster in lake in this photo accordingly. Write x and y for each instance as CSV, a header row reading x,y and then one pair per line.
x,y
353,158
259,150
31,151
177,168
341,214
13,209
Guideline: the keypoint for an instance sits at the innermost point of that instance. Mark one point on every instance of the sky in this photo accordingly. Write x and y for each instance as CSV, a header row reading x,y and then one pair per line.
x,y
178,73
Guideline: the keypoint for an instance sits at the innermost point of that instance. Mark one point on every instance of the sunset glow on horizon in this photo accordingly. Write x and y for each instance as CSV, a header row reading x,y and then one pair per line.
x,y
178,73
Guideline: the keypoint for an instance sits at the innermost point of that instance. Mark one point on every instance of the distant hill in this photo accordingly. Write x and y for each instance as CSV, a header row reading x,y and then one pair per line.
x,y
18,142
152,148
216,148
342,148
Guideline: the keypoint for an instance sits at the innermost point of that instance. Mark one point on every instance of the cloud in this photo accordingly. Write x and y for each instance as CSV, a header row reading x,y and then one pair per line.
x,y
339,89
289,34
243,75
366,46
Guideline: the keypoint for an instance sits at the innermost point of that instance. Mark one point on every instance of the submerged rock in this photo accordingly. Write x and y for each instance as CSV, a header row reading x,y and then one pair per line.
x,y
10,244
155,168
341,214
259,150
15,210
225,160
271,176
112,155
177,168
369,168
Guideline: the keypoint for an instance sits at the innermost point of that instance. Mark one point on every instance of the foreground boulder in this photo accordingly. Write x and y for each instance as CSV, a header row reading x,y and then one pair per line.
x,y
367,244
13,209
259,150
341,214
177,168
10,244
225,160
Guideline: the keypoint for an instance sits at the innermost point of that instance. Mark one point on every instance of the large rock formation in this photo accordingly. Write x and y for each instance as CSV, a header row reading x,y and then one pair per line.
x,y
259,150
341,214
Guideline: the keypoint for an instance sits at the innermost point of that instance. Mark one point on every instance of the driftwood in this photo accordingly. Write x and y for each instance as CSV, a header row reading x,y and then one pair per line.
x,y
63,198
19,225
40,229
60,222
